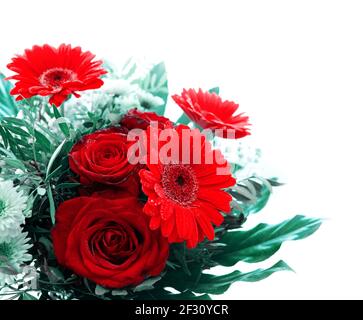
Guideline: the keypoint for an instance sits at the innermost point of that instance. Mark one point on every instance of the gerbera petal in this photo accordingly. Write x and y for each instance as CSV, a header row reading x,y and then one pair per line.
x,y
166,210
193,233
209,210
217,181
155,222
168,226
150,208
183,221
205,225
218,198
148,177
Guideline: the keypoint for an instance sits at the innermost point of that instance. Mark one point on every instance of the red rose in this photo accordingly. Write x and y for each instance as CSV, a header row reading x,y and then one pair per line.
x,y
108,241
101,158
130,186
135,119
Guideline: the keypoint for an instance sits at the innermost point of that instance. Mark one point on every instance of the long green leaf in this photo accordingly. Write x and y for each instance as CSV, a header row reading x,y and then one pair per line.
x,y
61,122
15,163
213,284
264,240
42,141
17,130
199,282
54,156
51,204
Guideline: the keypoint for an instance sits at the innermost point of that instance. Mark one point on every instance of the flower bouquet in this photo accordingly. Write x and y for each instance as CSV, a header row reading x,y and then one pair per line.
x,y
103,197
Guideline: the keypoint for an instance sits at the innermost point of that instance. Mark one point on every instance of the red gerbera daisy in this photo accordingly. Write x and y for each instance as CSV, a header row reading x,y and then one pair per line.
x,y
210,112
55,72
185,196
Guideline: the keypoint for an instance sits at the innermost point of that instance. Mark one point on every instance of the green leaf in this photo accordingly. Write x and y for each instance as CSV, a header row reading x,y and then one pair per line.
x,y
128,69
54,274
213,284
27,296
252,193
274,182
214,90
183,119
14,147
51,204
130,72
54,157
62,122
16,121
4,137
148,284
8,153
17,130
54,173
264,240
242,194
121,293
48,132
47,244
8,106
179,250
235,167
42,141
259,203
199,282
187,295
68,185
15,163
156,83
109,68
100,291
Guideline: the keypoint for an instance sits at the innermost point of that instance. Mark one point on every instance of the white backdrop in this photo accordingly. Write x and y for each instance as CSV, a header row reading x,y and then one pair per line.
x,y
296,67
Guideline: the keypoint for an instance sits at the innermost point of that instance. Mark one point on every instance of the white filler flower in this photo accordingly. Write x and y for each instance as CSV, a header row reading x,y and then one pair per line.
x,y
13,255
147,100
12,205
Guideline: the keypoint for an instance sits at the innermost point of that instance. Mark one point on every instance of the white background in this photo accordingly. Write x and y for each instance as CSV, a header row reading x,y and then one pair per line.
x,y
296,67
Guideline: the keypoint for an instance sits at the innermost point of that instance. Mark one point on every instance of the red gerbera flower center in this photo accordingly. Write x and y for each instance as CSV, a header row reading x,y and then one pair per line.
x,y
55,77
180,183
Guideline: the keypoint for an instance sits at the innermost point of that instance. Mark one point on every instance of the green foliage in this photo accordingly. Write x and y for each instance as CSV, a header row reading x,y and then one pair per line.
x,y
156,83
26,296
8,106
214,90
251,195
183,119
261,242
128,70
255,245
35,147
200,282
